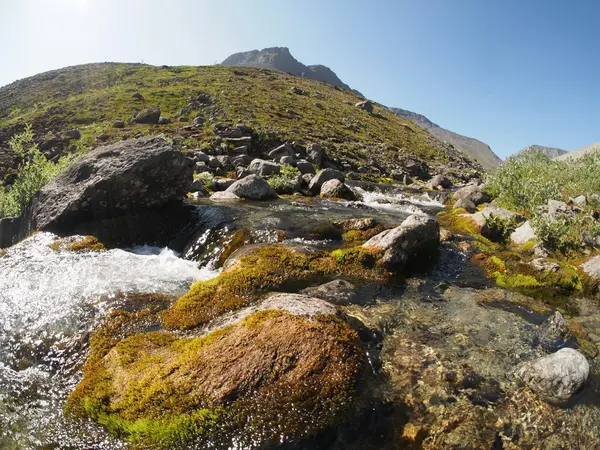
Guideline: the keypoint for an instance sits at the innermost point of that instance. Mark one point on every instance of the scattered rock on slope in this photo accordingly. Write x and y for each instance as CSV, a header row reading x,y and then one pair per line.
x,y
252,187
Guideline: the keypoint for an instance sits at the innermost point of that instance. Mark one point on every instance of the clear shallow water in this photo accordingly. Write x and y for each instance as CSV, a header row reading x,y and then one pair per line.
x,y
49,302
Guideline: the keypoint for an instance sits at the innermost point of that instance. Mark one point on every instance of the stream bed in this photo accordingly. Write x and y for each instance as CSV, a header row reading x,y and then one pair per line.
x,y
449,342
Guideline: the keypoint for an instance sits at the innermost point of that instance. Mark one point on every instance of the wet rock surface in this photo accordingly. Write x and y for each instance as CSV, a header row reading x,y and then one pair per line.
x,y
557,377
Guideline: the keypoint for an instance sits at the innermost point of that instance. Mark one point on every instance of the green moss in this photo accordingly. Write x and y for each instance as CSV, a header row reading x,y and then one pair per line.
x,y
361,236
517,281
158,390
528,246
458,221
268,268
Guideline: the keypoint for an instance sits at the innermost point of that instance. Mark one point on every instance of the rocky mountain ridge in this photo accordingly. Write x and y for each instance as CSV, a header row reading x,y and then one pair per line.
x,y
280,58
576,154
550,152
478,150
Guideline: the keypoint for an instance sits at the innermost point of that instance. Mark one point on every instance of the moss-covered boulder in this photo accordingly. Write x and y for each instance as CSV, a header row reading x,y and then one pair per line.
x,y
266,268
272,377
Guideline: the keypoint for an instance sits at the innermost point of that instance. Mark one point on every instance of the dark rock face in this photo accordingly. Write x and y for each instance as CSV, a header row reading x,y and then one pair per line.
x,y
110,182
9,162
149,116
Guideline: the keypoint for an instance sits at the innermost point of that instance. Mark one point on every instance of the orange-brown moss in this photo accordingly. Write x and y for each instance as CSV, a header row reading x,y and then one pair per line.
x,y
271,376
85,244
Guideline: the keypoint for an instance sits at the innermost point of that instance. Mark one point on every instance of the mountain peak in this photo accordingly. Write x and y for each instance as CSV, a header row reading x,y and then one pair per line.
x,y
280,58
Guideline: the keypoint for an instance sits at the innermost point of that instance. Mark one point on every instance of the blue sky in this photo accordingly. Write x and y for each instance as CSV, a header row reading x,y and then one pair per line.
x,y
510,73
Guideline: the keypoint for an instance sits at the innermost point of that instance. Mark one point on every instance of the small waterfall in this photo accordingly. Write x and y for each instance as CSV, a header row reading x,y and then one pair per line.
x,y
49,302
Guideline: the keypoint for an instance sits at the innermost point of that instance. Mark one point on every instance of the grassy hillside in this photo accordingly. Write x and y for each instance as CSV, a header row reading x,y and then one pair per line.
x,y
91,97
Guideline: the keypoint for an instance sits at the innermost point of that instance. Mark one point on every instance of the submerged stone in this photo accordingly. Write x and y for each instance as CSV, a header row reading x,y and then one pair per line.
x,y
553,333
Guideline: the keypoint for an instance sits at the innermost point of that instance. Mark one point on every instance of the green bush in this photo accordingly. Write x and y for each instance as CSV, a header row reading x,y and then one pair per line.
x,y
34,172
498,229
527,182
287,181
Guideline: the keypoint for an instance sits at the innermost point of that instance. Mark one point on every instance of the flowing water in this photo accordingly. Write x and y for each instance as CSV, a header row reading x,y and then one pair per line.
x,y
449,346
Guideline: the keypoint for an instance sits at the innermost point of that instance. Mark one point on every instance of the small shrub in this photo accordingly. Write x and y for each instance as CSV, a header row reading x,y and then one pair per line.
x,y
34,172
287,181
498,229
525,183
207,180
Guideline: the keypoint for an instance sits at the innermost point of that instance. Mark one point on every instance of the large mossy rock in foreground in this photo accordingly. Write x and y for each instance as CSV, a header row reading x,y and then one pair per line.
x,y
272,377
109,182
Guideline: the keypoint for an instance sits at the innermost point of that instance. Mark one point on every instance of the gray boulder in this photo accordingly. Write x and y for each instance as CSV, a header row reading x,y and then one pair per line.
x,y
553,333
542,265
307,178
224,196
439,182
523,234
481,218
558,209
148,116
252,187
110,182
164,121
580,201
465,204
118,124
201,157
592,268
324,175
365,106
315,154
287,160
472,192
417,238
556,377
73,134
264,168
222,184
305,167
281,151
338,292
337,189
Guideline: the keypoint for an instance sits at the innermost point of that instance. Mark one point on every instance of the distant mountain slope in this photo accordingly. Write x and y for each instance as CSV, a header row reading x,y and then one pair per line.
x,y
277,107
478,150
576,154
551,152
280,58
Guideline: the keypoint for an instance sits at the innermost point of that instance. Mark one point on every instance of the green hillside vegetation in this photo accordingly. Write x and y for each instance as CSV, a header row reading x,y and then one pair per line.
x,y
91,97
